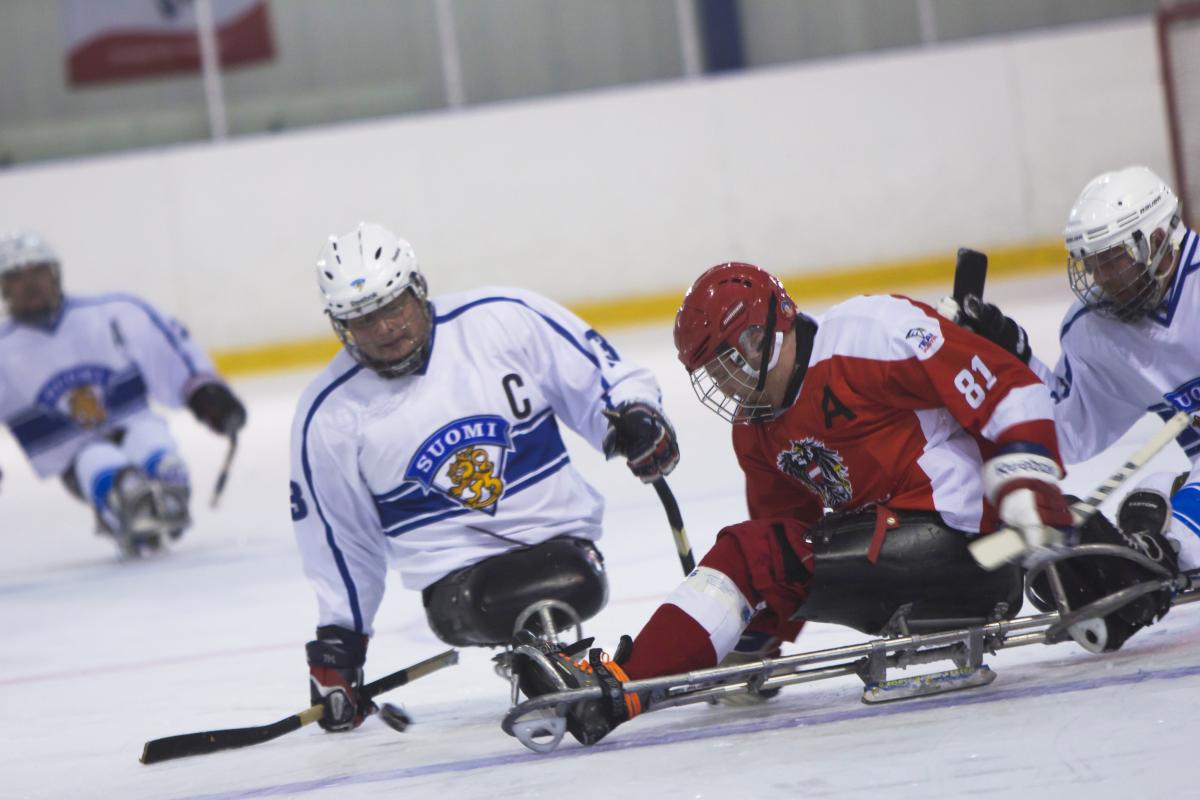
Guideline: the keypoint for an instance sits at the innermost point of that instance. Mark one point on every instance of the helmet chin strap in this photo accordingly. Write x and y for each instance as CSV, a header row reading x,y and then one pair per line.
x,y
805,330
1163,248
770,347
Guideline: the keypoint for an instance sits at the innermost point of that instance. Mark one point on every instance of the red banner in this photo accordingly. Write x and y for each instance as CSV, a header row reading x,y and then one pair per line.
x,y
113,40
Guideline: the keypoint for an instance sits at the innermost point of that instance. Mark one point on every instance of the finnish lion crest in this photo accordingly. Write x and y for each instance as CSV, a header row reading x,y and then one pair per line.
x,y
464,461
820,469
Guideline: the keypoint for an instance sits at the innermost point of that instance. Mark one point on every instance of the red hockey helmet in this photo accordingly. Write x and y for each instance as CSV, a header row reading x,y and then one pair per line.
x,y
727,330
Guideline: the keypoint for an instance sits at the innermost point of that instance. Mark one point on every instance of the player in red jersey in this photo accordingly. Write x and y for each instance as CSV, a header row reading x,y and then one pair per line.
x,y
875,443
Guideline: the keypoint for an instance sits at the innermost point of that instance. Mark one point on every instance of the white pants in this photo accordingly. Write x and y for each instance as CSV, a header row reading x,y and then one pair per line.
x,y
147,445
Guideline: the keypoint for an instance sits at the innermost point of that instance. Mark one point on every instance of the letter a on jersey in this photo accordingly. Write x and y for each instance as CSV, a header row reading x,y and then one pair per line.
x,y
464,461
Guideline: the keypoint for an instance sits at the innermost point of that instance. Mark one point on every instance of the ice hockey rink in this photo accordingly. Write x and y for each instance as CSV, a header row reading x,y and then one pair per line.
x,y
100,656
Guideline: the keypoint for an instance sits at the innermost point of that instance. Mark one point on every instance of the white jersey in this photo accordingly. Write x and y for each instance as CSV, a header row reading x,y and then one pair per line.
x,y
464,461
1110,373
72,382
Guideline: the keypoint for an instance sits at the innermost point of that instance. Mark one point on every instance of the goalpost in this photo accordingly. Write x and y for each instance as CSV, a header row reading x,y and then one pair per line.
x,y
1178,28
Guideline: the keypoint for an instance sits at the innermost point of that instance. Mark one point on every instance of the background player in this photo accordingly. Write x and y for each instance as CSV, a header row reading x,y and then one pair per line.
x,y
1129,342
432,441
76,377
916,434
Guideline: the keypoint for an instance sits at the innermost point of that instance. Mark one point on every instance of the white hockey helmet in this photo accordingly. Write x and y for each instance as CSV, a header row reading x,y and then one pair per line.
x,y
1115,262
25,249
362,272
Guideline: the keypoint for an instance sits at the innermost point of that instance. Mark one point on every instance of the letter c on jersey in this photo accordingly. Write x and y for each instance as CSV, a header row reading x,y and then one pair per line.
x,y
521,409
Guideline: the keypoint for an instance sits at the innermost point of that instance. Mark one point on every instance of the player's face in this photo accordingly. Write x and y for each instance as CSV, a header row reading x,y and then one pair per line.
x,y
30,292
1118,274
392,332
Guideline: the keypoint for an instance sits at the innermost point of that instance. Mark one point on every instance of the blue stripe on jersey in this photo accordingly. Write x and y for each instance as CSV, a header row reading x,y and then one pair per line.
x,y
127,392
408,487
1063,383
1187,251
339,559
149,311
38,429
557,328
1067,325
546,472
1185,507
535,451
1188,438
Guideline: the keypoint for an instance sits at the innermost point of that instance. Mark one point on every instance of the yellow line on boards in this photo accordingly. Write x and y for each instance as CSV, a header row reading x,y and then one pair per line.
x,y
826,285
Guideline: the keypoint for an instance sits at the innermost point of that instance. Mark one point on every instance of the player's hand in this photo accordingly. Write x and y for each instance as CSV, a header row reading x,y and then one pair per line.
x,y
216,407
989,322
335,677
640,433
1022,483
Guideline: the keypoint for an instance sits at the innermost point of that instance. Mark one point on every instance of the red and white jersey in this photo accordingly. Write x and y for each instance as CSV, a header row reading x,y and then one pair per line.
x,y
898,407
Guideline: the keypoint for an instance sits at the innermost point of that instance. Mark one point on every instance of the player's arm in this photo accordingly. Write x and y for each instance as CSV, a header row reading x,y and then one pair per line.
x,y
1090,409
996,397
176,370
612,403
344,554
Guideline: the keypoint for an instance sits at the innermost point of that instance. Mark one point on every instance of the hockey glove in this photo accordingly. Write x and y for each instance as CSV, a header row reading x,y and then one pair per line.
x,y
1021,481
643,435
1142,519
335,677
215,406
989,322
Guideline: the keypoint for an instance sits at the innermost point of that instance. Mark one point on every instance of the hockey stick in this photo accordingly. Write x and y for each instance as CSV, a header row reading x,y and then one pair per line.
x,y
970,273
223,475
995,549
682,546
193,744
675,520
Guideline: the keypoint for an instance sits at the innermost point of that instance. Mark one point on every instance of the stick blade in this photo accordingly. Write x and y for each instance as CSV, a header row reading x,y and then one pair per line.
x,y
970,273
997,549
195,744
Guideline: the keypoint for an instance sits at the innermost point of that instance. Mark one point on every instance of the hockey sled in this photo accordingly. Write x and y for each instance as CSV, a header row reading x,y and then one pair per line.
x,y
539,723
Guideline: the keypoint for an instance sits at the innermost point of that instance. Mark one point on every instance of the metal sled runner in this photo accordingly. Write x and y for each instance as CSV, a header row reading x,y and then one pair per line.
x,y
540,723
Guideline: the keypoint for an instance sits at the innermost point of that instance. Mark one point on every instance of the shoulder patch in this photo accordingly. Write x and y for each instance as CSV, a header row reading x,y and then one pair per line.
x,y
924,342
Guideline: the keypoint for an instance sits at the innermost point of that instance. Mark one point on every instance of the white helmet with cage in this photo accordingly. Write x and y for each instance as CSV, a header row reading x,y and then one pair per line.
x,y
1122,237
40,300
25,249
370,274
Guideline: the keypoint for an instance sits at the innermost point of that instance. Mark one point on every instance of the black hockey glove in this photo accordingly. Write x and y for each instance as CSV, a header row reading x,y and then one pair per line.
x,y
1143,517
215,406
643,435
335,677
989,322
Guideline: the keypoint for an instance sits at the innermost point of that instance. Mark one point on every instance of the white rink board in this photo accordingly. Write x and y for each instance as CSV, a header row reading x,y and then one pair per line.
x,y
895,155
101,656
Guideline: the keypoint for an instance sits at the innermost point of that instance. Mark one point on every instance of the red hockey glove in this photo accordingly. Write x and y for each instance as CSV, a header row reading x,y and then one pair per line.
x,y
335,677
642,434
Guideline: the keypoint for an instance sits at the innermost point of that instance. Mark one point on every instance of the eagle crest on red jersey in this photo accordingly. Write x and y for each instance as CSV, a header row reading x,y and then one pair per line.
x,y
820,469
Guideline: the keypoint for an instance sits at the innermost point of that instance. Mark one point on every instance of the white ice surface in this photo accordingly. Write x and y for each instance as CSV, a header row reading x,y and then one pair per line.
x,y
99,656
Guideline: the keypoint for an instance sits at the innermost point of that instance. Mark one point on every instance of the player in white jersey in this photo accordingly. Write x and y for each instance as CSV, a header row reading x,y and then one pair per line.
x,y
1129,342
76,378
1129,345
432,443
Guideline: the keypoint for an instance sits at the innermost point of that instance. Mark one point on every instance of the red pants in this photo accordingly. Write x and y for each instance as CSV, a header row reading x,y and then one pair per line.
x,y
770,563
